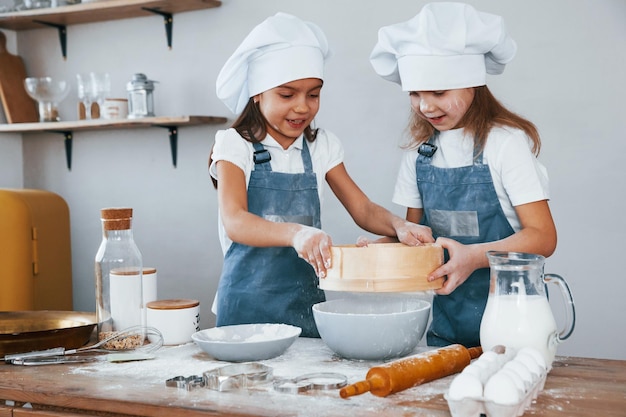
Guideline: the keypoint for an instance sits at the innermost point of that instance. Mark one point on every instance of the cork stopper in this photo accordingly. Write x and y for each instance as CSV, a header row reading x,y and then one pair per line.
x,y
175,304
116,218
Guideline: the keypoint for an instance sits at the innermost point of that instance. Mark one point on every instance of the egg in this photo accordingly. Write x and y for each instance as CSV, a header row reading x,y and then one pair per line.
x,y
490,355
531,364
465,385
519,382
479,371
502,389
473,369
536,355
523,371
508,354
486,363
499,358
489,364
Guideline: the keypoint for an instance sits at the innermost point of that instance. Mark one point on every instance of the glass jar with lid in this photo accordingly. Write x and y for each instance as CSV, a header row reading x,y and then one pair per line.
x,y
140,96
119,269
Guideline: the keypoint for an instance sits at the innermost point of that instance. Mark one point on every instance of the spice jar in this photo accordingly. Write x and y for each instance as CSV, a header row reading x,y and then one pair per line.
x,y
140,96
118,267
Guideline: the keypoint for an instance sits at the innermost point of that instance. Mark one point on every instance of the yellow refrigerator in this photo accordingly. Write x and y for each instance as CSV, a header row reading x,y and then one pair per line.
x,y
35,251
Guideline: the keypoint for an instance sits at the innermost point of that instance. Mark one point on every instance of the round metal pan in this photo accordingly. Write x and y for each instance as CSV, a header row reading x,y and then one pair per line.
x,y
24,331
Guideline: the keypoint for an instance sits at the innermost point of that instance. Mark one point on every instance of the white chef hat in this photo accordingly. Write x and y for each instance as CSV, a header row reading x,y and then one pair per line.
x,y
281,49
444,47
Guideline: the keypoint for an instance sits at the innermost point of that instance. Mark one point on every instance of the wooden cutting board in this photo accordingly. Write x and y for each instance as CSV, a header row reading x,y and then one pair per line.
x,y
18,106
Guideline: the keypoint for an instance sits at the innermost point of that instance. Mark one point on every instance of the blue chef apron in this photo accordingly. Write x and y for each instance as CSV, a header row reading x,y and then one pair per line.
x,y
461,204
273,285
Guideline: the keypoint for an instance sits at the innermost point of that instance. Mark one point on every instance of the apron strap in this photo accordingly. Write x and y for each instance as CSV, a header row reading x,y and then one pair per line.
x,y
427,149
262,157
306,157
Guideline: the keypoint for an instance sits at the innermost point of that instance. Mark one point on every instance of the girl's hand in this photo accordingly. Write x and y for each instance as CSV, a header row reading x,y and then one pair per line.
x,y
364,241
459,267
407,232
413,234
313,245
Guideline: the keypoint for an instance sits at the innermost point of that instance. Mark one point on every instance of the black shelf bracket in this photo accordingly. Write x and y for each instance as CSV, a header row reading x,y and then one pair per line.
x,y
168,19
62,35
173,135
67,134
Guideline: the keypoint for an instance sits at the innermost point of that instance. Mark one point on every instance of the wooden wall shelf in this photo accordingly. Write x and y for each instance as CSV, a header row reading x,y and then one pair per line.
x,y
67,129
100,11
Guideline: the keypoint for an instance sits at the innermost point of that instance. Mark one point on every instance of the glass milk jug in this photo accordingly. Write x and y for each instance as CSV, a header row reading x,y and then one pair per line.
x,y
518,313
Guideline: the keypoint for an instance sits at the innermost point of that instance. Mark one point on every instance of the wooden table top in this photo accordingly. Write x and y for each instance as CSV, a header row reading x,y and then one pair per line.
x,y
574,387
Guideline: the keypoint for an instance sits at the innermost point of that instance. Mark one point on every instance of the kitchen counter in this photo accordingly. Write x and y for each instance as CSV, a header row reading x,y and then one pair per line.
x,y
574,387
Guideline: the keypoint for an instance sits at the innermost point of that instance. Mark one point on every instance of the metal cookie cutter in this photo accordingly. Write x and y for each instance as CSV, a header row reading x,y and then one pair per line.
x,y
316,381
237,376
188,383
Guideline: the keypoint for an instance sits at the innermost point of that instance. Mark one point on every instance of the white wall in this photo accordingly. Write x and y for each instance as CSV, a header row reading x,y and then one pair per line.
x,y
11,161
568,77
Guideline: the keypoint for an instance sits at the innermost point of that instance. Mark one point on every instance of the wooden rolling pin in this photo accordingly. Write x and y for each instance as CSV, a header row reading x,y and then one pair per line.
x,y
412,371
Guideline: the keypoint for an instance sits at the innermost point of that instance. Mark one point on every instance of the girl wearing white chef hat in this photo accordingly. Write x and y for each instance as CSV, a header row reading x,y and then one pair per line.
x,y
270,166
471,172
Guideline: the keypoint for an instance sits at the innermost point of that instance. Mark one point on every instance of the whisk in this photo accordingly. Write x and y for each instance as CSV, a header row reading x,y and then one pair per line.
x,y
130,339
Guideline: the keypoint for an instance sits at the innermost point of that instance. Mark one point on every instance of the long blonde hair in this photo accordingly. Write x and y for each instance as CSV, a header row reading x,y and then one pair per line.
x,y
484,113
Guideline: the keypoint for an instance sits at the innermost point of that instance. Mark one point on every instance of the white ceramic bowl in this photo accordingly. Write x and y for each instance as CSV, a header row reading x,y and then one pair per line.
x,y
368,328
246,342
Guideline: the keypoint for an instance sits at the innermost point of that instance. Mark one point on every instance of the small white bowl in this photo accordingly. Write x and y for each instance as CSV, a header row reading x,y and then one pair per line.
x,y
246,342
372,328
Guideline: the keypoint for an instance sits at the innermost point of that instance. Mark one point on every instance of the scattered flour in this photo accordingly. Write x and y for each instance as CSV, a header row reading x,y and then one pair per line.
x,y
304,356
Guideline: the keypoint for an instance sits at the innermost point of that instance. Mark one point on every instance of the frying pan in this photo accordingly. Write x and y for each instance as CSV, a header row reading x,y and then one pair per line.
x,y
22,331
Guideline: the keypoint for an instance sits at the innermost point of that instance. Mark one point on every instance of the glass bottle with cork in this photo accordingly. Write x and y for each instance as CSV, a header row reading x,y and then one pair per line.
x,y
119,268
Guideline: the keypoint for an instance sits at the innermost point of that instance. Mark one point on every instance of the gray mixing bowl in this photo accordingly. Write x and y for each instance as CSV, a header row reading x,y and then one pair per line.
x,y
388,326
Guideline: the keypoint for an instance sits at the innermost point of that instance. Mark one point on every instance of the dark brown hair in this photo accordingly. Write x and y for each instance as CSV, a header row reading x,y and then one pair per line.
x,y
484,113
252,126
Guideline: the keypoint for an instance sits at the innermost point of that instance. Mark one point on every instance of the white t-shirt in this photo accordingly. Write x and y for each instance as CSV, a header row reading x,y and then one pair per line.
x,y
518,176
326,153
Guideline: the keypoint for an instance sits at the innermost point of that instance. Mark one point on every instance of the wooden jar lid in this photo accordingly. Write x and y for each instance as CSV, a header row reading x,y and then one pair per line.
x,y
133,271
383,267
174,304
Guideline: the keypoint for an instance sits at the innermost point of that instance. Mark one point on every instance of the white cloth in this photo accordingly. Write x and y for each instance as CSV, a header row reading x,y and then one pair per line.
x,y
280,49
446,46
326,153
518,176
